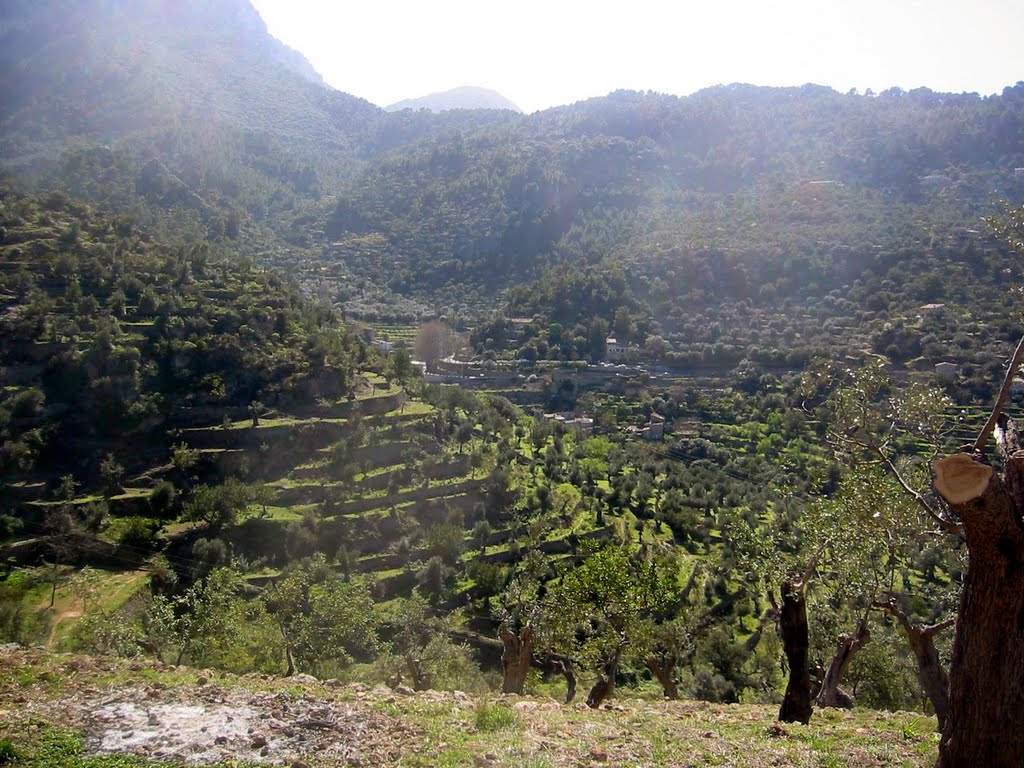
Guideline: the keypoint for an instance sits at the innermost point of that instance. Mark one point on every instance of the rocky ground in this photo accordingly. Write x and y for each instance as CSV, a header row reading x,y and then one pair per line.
x,y
162,715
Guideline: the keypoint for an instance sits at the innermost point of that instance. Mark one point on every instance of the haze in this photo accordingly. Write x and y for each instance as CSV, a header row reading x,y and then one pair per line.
x,y
541,54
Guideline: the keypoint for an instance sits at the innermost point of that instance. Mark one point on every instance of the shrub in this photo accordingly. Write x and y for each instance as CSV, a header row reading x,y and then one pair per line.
x,y
489,717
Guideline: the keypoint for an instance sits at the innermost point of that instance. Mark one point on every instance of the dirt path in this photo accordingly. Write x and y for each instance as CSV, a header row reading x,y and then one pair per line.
x,y
69,613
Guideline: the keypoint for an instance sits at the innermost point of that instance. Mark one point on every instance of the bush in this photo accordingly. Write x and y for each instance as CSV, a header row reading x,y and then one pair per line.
x,y
138,533
8,754
489,717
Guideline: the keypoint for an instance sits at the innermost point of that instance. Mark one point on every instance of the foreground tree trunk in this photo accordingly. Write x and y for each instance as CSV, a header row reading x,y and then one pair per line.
x,y
663,669
605,685
796,704
831,695
515,658
985,725
930,672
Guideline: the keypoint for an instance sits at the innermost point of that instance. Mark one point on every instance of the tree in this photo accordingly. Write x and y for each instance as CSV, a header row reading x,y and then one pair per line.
x,y
985,725
600,606
521,613
786,554
868,422
323,618
218,506
436,341
400,365
111,473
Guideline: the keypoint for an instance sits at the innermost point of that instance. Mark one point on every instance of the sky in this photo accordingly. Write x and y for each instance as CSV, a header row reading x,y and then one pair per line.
x,y
543,53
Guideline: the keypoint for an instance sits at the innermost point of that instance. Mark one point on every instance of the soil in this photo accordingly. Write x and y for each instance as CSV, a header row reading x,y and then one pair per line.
x,y
201,722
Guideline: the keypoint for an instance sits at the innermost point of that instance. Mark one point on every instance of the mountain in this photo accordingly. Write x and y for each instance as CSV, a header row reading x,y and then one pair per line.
x,y
770,175
466,97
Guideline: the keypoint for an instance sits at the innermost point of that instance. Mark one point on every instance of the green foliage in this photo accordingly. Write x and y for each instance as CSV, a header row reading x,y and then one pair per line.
x,y
218,506
324,619
8,754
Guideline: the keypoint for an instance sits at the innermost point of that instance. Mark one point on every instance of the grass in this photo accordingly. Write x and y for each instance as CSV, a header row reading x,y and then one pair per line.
x,y
456,730
490,717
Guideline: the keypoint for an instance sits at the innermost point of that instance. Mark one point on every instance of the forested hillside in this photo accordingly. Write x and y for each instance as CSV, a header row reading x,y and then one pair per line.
x,y
684,366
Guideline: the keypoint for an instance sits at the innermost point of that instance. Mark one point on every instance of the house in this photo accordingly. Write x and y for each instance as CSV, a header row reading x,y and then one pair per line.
x,y
384,346
616,351
655,428
570,420
1017,386
947,370
613,351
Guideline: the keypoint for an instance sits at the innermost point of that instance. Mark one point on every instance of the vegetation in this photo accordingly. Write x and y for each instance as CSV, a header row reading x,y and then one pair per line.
x,y
688,367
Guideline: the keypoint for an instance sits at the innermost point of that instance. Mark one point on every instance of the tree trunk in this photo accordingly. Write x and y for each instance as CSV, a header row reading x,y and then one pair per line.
x,y
421,679
930,672
605,685
565,667
515,658
662,671
796,704
985,725
831,695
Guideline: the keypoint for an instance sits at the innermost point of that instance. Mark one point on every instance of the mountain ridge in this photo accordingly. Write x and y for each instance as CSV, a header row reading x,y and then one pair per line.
x,y
463,97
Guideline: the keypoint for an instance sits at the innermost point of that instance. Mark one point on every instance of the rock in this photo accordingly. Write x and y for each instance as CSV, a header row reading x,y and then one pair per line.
x,y
259,741
303,678
405,690
221,740
299,763
203,680
596,753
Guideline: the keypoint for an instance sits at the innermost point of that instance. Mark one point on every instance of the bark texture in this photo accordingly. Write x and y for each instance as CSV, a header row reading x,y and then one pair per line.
x,y
515,658
796,704
831,694
930,672
985,725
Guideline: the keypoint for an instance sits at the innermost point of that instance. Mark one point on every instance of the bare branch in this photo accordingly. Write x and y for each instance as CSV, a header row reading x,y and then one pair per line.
x,y
947,525
1004,393
934,629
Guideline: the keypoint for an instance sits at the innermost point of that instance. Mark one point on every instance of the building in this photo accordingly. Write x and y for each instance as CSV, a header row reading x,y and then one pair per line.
x,y
612,351
947,370
655,427
570,420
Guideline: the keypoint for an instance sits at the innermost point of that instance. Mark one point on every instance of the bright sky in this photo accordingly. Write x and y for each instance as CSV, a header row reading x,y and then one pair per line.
x,y
542,53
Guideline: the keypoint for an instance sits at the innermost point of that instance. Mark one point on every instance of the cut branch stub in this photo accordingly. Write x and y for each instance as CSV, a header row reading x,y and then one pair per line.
x,y
961,478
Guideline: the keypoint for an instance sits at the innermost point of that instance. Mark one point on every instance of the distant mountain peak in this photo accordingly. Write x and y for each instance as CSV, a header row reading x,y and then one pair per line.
x,y
465,97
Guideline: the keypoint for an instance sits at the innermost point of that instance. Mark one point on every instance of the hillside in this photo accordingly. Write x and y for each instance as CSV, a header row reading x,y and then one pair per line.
x,y
466,97
671,353
759,178
62,711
